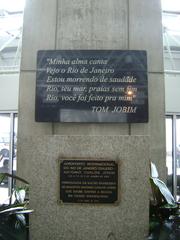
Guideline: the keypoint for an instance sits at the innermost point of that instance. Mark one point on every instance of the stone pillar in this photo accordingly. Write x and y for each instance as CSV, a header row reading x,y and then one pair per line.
x,y
90,24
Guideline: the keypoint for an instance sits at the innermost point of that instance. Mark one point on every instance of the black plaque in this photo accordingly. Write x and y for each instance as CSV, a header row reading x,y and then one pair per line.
x,y
91,86
88,181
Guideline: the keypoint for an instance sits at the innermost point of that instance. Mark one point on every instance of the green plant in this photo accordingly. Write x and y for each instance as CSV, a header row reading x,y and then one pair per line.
x,y
164,211
14,215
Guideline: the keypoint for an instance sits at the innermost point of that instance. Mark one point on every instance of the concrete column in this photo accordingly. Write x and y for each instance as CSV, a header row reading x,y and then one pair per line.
x,y
90,24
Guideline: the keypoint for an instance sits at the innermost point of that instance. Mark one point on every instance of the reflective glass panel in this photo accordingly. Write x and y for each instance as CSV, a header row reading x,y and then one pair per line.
x,y
169,152
178,156
4,153
15,143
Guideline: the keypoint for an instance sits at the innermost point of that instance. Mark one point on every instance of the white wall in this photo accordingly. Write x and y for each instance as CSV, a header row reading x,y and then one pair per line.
x,y
172,93
9,85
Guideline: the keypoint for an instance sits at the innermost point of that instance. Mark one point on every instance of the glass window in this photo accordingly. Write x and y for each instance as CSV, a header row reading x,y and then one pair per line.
x,y
8,140
170,5
15,143
171,35
178,156
11,21
169,152
4,153
173,154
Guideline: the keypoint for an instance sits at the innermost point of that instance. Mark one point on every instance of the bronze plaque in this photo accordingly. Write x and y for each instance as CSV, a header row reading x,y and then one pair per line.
x,y
88,181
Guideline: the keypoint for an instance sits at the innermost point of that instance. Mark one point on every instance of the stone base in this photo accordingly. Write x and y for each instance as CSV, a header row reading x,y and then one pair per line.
x,y
128,220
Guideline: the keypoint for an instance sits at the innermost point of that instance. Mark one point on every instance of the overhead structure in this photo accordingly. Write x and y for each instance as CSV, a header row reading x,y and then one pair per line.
x,y
171,36
10,39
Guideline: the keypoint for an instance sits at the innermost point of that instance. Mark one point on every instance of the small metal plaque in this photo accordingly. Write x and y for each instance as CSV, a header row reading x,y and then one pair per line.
x,y
88,181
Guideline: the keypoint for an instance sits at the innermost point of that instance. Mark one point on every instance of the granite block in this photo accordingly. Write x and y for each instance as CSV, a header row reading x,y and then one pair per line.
x,y
145,31
39,30
92,24
39,164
